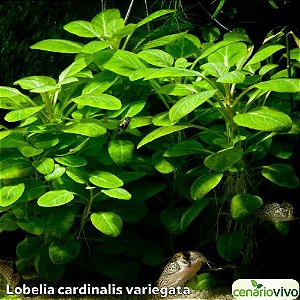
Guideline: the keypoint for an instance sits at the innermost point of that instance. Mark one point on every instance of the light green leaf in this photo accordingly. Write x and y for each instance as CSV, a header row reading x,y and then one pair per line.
x,y
230,245
108,223
171,72
216,69
283,85
29,151
162,119
162,165
94,46
121,151
164,40
134,108
73,68
124,63
101,82
83,29
281,174
156,57
159,132
32,82
62,251
265,119
184,47
192,212
21,114
117,193
264,54
102,19
11,193
55,198
71,160
266,68
91,128
58,45
184,148
5,133
232,77
105,180
243,207
187,104
224,159
44,166
177,89
103,101
57,172
204,184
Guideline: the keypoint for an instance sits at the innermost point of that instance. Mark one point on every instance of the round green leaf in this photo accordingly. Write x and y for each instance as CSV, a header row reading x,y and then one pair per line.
x,y
44,166
117,193
282,175
242,207
8,222
121,151
57,172
32,224
55,198
28,248
64,250
91,128
230,245
11,193
204,184
224,159
105,180
33,189
108,223
265,119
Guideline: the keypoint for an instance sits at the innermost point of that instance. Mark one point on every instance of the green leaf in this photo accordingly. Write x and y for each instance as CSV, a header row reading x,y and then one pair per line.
x,y
29,151
264,54
156,57
45,267
205,281
224,159
94,46
5,133
265,119
192,212
154,16
11,168
124,63
184,148
164,40
101,82
58,45
171,72
105,180
266,68
44,166
60,221
254,283
71,160
55,198
32,82
21,114
243,207
159,132
177,89
8,222
216,69
120,151
161,164
28,248
73,68
64,250
91,128
229,55
133,109
102,19
117,193
283,85
33,189
184,47
103,101
11,193
281,174
232,77
57,173
187,104
83,29
79,175
162,119
171,218
44,140
108,223
230,245
32,224
204,184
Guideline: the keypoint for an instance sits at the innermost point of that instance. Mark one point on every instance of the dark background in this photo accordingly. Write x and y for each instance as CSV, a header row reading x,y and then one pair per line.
x,y
23,23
